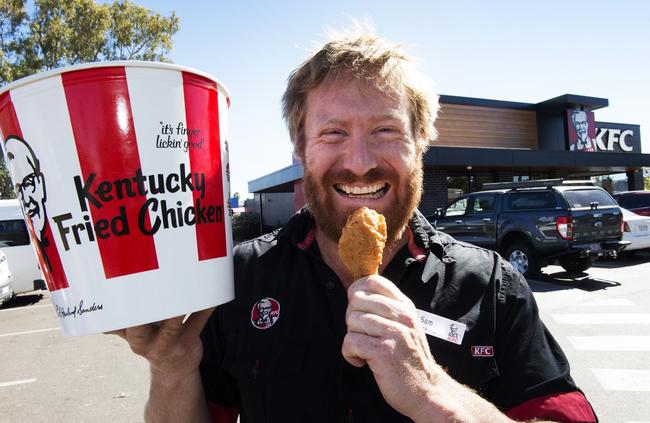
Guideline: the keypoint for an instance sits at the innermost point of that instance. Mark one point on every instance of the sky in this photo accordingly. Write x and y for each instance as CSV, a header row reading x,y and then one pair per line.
x,y
503,50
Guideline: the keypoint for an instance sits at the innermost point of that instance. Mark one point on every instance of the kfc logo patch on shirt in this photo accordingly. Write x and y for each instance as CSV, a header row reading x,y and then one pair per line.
x,y
482,350
265,313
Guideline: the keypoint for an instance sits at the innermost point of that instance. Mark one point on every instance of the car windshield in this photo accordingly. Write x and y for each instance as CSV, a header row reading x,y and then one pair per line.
x,y
531,200
585,197
633,201
457,208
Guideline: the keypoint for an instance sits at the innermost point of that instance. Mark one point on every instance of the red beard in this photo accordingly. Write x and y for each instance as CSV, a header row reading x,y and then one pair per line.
x,y
331,219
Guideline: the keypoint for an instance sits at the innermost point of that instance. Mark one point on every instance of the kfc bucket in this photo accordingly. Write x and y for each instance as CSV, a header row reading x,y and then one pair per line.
x,y
122,172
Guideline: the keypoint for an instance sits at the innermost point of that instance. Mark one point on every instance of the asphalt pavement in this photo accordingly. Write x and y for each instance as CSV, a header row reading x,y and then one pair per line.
x,y
48,377
601,318
602,321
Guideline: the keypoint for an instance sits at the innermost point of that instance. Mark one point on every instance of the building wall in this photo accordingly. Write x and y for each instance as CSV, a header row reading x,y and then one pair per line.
x,y
434,193
299,199
278,207
477,126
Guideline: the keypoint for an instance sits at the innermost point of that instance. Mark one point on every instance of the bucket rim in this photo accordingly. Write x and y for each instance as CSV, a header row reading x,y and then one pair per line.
x,y
108,64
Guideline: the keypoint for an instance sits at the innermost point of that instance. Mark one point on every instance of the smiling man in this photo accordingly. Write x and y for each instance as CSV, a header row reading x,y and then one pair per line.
x,y
447,332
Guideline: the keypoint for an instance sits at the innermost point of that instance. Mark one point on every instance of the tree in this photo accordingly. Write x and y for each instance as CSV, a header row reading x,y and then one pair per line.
x,y
137,33
6,189
245,226
12,16
55,33
64,32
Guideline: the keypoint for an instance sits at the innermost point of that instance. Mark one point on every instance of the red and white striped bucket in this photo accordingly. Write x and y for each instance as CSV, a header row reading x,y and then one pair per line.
x,y
122,172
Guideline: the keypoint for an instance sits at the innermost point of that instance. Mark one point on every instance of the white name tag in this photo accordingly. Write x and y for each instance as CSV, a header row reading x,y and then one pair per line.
x,y
441,327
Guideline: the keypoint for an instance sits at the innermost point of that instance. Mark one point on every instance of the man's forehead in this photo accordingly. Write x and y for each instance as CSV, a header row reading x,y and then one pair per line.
x,y
338,101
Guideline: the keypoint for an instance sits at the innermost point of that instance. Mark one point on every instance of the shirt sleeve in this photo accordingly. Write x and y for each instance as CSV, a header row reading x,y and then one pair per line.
x,y
220,386
531,363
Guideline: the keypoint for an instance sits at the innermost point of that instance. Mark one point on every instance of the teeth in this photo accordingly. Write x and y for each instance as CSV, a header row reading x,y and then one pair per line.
x,y
356,190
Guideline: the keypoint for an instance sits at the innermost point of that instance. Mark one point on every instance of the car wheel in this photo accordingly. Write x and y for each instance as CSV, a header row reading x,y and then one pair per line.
x,y
575,264
522,258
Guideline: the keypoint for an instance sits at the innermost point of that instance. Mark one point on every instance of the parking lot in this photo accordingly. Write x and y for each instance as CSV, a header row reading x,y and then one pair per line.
x,y
601,318
47,377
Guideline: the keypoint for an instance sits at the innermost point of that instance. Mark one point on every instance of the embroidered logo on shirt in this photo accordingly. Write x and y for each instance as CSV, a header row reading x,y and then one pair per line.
x,y
265,313
482,350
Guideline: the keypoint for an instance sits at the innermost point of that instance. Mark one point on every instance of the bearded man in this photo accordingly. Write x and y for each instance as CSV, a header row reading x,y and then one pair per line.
x,y
340,350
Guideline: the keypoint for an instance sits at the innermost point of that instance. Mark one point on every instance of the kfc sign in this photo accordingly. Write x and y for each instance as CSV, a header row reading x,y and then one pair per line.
x,y
582,130
609,139
585,134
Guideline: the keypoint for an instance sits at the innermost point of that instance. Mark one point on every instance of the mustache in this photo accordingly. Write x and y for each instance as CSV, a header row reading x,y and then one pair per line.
x,y
32,208
348,177
31,203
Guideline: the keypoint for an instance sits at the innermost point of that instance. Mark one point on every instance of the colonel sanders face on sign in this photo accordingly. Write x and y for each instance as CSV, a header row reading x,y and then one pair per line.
x,y
584,132
29,182
580,124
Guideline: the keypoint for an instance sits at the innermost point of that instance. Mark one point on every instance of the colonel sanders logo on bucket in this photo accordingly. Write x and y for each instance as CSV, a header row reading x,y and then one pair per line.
x,y
30,190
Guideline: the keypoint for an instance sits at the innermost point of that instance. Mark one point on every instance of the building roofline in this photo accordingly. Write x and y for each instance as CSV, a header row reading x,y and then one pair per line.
x,y
485,102
560,103
270,182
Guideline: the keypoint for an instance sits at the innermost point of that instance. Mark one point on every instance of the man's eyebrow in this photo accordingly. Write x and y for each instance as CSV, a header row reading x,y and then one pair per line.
x,y
389,116
377,118
331,121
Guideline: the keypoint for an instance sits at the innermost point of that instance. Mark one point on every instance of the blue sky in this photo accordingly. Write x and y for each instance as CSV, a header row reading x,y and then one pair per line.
x,y
504,50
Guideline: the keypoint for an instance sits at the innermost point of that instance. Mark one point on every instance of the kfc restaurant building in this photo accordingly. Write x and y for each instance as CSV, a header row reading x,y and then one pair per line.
x,y
484,140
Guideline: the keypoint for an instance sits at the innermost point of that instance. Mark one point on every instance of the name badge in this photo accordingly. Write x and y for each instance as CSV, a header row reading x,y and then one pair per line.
x,y
441,327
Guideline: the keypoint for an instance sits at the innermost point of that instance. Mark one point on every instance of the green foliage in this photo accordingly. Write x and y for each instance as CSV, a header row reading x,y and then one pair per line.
x,y
12,17
6,189
55,33
63,32
138,33
245,226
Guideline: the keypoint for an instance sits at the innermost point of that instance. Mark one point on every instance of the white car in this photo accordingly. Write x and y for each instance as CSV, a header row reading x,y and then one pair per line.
x,y
19,249
6,281
636,229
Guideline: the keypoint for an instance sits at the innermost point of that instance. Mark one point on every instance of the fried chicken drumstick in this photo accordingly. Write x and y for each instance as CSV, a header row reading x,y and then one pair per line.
x,y
362,242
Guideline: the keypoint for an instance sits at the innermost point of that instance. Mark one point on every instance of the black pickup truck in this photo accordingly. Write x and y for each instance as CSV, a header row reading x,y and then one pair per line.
x,y
536,223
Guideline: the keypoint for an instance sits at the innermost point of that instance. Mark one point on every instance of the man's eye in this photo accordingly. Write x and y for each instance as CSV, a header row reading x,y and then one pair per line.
x,y
387,131
333,135
333,132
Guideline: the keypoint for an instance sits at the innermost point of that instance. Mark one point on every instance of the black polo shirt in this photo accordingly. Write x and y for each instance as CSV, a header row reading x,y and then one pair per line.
x,y
287,366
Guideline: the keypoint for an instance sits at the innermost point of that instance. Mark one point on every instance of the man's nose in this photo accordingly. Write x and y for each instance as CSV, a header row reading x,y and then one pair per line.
x,y
360,155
